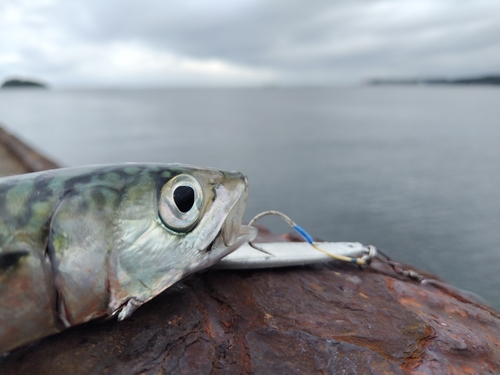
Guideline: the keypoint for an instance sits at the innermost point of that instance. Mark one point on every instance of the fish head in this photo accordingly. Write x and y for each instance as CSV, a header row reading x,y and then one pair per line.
x,y
171,223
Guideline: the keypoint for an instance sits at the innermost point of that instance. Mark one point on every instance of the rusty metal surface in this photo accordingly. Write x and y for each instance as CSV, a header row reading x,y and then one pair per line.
x,y
9,165
16,157
330,319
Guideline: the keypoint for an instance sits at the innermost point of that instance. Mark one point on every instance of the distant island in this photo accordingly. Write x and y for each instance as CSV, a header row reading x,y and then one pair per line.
x,y
15,83
486,80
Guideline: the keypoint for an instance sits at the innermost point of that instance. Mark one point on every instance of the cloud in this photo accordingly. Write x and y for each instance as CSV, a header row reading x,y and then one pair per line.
x,y
246,42
140,65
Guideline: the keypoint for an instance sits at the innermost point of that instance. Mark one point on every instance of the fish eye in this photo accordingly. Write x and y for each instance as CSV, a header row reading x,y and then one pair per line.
x,y
180,204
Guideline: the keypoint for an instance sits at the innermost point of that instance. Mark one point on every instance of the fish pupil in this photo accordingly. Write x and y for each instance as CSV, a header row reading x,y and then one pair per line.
x,y
184,198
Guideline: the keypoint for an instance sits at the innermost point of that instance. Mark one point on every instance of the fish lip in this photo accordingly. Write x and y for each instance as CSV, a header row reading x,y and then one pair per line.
x,y
218,250
246,233
231,227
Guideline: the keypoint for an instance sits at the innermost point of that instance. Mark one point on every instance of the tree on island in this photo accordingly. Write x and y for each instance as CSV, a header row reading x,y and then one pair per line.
x,y
11,83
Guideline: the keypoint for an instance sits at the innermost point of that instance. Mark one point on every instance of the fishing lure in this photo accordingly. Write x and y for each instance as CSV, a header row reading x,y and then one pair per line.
x,y
82,243
285,254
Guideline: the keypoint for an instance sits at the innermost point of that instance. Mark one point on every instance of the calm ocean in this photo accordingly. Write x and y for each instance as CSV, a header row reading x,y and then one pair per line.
x,y
414,171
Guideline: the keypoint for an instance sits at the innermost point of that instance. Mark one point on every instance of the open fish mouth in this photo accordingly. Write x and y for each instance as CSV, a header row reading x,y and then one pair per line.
x,y
232,234
245,234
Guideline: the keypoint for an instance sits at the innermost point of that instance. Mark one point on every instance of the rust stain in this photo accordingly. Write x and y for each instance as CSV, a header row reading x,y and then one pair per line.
x,y
363,295
413,361
452,309
267,316
209,328
317,287
461,370
390,283
412,302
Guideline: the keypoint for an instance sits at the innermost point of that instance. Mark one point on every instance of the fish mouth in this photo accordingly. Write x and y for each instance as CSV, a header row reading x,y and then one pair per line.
x,y
225,220
232,233
218,248
246,234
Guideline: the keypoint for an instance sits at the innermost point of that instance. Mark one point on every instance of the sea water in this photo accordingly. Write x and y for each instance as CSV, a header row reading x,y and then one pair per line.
x,y
413,170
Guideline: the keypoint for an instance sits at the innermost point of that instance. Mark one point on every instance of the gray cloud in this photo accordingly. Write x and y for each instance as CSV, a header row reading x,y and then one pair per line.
x,y
249,41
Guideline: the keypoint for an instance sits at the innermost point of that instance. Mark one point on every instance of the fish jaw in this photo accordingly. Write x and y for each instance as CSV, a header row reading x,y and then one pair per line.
x,y
218,251
151,257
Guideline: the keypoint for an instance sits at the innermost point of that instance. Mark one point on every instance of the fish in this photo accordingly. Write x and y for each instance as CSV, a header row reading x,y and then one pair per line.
x,y
83,243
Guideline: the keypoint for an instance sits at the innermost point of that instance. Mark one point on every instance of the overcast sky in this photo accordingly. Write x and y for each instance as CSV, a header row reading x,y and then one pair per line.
x,y
140,43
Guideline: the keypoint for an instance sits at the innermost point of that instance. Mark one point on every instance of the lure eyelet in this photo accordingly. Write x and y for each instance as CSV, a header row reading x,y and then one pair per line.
x,y
180,203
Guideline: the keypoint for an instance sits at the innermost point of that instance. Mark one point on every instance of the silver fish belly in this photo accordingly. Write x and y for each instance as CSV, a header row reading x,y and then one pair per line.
x,y
82,243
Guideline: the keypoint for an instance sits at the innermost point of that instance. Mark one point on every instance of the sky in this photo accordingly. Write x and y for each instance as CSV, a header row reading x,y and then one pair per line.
x,y
158,43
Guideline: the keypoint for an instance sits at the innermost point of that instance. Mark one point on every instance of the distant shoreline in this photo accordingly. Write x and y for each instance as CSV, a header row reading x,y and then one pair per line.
x,y
486,80
17,83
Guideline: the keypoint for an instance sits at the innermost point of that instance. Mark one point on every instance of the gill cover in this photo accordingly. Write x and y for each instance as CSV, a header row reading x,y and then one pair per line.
x,y
165,232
